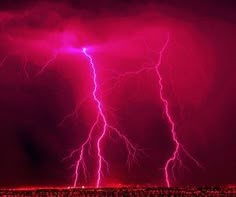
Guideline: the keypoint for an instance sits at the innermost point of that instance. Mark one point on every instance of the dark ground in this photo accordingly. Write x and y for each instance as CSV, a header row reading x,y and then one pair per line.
x,y
124,191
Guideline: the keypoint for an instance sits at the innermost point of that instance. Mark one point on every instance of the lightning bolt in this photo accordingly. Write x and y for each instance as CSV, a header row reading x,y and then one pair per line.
x,y
175,159
100,119
101,114
175,154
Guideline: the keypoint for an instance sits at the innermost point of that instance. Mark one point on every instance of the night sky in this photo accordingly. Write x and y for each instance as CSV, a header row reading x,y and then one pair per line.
x,y
199,77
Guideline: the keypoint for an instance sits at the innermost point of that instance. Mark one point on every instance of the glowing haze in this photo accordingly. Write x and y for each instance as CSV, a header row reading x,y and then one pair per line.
x,y
116,95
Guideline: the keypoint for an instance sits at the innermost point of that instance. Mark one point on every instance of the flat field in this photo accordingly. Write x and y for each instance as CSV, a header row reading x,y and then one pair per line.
x,y
121,191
